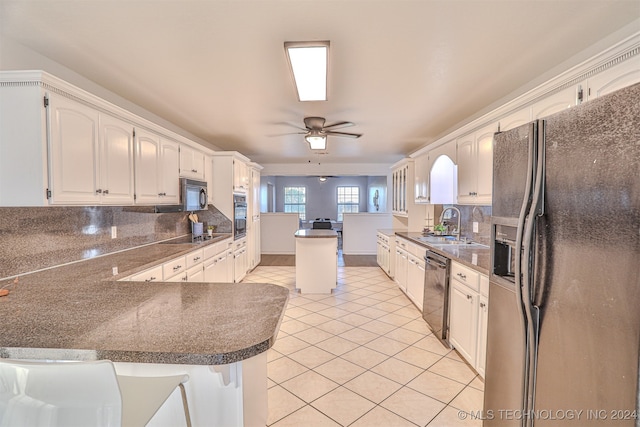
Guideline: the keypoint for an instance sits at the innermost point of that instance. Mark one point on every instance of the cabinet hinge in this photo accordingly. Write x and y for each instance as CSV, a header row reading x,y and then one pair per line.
x,y
580,95
46,101
134,133
48,193
134,196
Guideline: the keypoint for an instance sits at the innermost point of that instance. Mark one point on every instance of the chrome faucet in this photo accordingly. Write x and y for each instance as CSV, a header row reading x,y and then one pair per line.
x,y
456,231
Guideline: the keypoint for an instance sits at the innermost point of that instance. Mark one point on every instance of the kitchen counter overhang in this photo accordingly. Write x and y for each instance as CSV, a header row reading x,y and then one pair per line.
x,y
80,312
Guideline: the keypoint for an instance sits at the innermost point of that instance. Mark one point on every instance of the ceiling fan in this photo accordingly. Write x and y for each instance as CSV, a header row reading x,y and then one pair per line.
x,y
316,132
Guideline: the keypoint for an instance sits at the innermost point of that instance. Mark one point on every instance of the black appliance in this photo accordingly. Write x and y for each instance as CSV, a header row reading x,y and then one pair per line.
x,y
436,295
239,216
564,324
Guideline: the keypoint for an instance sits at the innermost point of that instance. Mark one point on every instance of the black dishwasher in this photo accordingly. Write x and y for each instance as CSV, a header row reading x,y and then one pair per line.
x,y
435,308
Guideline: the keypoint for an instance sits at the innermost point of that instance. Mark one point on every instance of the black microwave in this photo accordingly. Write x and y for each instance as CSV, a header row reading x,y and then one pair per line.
x,y
193,195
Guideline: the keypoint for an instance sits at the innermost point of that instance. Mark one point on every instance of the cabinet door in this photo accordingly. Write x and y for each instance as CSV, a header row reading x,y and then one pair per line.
x,y
555,103
421,183
481,356
147,170
195,274
463,318
170,171
116,161
622,75
515,119
484,164
191,163
467,174
74,153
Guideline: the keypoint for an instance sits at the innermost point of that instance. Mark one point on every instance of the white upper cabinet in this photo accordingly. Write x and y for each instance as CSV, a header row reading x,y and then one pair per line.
x,y
559,101
621,75
475,166
116,161
192,163
73,152
421,182
515,119
91,155
157,164
241,176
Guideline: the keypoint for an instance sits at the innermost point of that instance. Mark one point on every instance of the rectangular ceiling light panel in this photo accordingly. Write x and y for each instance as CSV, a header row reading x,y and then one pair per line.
x,y
308,62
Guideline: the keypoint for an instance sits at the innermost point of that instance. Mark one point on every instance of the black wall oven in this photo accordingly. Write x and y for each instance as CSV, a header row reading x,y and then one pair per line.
x,y
239,216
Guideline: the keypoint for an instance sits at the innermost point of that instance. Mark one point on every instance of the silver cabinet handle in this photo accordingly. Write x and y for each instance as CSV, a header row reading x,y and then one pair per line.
x,y
98,191
462,276
105,192
150,279
177,267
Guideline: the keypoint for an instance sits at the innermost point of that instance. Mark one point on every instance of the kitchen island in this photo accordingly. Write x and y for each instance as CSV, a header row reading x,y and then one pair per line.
x,y
316,260
218,333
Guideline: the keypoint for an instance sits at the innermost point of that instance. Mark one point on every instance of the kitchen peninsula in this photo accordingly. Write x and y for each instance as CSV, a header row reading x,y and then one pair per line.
x,y
218,333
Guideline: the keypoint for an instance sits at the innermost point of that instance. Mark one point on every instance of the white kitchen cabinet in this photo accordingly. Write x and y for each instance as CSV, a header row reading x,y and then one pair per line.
x,y
415,279
195,273
559,101
475,166
621,75
116,182
240,259
421,182
463,315
157,169
153,274
224,166
253,220
403,175
174,267
402,264
192,163
241,176
515,119
483,312
468,309
383,252
74,152
91,155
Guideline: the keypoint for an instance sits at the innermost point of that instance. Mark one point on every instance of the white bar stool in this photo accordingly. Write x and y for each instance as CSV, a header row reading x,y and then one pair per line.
x,y
81,394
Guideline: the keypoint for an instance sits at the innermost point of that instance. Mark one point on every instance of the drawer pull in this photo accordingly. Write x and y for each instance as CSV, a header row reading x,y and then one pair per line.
x,y
177,267
150,279
462,276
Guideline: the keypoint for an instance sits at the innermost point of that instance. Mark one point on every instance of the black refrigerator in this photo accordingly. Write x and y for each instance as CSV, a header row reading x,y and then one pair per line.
x,y
564,298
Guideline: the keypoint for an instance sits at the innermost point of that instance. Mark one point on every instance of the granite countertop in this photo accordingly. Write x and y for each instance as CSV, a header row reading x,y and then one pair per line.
x,y
475,257
81,312
316,233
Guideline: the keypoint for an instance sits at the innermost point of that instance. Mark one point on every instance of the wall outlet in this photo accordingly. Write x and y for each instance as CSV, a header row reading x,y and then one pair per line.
x,y
114,231
475,227
114,270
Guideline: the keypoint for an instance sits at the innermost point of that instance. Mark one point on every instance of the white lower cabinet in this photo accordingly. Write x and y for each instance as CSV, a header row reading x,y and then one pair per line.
x,y
468,308
401,268
240,259
383,253
153,274
415,280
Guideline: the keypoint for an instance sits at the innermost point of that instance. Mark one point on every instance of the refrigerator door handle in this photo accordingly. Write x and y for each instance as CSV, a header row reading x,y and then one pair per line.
x,y
521,262
532,312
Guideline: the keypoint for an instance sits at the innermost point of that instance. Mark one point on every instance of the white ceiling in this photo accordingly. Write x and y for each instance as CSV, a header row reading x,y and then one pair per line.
x,y
404,71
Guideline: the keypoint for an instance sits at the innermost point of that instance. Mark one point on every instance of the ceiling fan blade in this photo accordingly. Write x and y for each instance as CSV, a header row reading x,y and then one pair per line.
x,y
287,133
344,134
339,125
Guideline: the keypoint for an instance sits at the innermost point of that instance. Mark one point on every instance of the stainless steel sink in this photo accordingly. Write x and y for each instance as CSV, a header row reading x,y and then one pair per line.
x,y
449,240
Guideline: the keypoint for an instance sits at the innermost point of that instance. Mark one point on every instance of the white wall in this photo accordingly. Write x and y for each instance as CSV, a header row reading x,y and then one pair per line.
x,y
277,233
359,232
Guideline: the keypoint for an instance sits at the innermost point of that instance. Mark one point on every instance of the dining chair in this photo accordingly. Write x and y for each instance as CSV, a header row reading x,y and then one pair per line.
x,y
83,394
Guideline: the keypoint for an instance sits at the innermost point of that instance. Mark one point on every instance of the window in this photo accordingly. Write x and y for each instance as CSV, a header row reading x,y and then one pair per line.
x,y
295,199
348,200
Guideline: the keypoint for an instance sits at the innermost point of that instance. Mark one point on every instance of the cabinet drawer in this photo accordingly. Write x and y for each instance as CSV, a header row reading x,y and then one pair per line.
x,y
195,257
173,267
151,275
465,275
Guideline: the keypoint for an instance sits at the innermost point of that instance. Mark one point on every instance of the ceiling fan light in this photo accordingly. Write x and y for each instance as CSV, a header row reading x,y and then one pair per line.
x,y
308,64
316,142
322,178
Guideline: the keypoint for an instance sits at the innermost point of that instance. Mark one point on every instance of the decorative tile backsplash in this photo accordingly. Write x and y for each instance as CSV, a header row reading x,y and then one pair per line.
x,y
33,238
479,214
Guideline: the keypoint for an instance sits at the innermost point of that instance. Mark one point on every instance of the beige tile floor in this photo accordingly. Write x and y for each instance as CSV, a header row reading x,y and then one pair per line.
x,y
362,356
